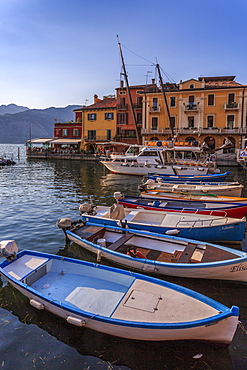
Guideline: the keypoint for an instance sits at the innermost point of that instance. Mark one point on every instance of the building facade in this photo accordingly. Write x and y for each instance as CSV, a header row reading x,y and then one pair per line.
x,y
210,110
98,121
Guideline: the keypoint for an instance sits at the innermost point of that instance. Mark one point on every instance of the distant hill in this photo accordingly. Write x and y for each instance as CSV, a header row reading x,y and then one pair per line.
x,y
16,128
11,109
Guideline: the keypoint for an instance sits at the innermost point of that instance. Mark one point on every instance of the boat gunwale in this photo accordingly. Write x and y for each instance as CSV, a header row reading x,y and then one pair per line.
x,y
225,312
240,259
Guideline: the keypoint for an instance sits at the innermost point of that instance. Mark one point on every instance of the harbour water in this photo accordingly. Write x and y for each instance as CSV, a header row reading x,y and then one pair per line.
x,y
34,194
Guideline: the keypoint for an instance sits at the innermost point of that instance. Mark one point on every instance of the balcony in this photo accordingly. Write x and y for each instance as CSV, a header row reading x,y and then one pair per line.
x,y
137,106
154,109
122,107
231,106
191,107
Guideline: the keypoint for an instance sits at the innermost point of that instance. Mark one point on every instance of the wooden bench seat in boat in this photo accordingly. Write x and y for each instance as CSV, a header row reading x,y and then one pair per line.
x,y
90,232
118,243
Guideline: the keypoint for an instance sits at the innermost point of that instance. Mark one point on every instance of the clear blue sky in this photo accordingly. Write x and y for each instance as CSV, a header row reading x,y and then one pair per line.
x,y
61,52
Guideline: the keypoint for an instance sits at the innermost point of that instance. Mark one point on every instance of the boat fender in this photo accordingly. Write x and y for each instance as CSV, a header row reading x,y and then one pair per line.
x,y
172,232
118,195
37,304
75,321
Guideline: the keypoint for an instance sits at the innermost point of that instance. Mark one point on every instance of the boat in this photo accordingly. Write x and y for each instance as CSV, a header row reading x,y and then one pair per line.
x,y
230,189
7,160
235,210
195,197
166,158
117,302
155,253
191,226
214,177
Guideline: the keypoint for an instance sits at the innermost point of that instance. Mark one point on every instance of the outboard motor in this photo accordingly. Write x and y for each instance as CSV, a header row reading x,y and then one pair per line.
x,y
8,249
88,208
118,195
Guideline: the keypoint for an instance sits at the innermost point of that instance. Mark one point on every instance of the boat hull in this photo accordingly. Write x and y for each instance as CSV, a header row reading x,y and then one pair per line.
x,y
232,270
234,210
141,169
224,233
218,327
203,178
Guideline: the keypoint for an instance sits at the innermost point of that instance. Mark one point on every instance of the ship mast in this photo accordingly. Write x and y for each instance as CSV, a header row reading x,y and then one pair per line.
x,y
164,96
129,95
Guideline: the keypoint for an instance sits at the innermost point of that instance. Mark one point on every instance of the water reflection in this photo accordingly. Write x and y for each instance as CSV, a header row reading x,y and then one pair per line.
x,y
34,194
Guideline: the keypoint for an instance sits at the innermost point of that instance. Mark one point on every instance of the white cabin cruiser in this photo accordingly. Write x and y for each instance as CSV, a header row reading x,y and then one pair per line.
x,y
164,158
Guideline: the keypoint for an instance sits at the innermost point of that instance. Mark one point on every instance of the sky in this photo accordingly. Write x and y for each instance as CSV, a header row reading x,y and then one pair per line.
x,y
62,52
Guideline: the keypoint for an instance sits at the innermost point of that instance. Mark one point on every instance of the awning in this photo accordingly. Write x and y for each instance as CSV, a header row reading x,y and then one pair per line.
x,y
113,143
65,141
40,140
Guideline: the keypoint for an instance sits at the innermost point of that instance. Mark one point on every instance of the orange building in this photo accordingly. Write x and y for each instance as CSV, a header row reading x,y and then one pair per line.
x,y
209,109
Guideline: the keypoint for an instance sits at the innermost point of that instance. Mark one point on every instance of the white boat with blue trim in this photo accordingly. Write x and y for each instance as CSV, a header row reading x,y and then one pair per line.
x,y
117,302
209,228
155,253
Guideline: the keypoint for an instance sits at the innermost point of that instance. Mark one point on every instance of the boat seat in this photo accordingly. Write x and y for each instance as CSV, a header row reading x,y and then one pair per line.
x,y
130,216
187,253
153,255
118,243
90,232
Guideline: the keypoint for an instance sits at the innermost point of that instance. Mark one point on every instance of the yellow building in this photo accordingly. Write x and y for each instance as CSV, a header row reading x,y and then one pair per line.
x,y
209,109
98,121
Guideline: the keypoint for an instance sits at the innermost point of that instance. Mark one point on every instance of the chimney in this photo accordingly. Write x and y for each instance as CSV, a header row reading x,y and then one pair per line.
x,y
121,84
153,81
96,99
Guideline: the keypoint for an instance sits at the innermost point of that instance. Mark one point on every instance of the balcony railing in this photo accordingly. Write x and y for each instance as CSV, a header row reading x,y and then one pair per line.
x,y
231,106
122,107
139,106
154,109
191,107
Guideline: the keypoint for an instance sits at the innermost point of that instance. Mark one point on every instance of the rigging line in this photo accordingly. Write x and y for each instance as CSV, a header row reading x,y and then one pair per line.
x,y
138,55
139,65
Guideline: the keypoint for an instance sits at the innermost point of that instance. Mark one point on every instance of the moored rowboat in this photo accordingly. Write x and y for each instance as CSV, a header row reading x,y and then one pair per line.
x,y
158,254
118,302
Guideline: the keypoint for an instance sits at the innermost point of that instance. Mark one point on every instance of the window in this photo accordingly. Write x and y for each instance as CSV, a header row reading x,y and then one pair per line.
x,y
139,100
108,134
192,86
139,117
154,123
172,101
191,99
91,134
231,98
75,132
65,132
210,121
155,104
122,101
211,99
230,122
173,121
109,116
91,116
122,118
191,122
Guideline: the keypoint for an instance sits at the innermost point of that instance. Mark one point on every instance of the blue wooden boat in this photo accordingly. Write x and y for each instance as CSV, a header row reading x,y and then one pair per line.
x,y
190,226
215,177
235,210
154,253
118,302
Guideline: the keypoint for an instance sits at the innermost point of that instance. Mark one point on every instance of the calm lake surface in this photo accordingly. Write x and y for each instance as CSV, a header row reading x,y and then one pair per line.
x,y
34,194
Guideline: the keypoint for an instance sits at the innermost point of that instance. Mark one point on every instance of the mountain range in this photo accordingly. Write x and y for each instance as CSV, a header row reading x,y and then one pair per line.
x,y
18,124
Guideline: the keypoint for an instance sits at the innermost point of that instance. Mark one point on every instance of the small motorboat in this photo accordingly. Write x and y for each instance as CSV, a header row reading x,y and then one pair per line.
x,y
157,254
235,210
117,302
214,177
195,197
230,189
185,225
